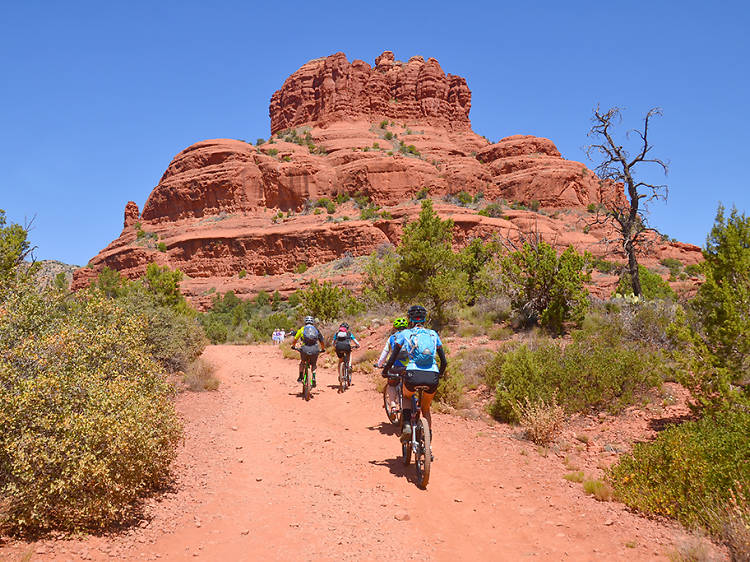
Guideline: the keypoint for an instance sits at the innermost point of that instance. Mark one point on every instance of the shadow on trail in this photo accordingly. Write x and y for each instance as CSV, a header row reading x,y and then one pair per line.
x,y
660,424
386,428
397,468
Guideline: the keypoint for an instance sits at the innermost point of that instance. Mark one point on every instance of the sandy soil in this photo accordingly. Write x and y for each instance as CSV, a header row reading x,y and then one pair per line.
x,y
265,475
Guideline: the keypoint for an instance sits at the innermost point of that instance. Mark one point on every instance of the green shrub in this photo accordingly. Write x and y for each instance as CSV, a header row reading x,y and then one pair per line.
x,y
386,215
596,370
88,421
450,390
674,266
259,141
690,471
161,246
494,210
318,211
216,332
591,208
326,301
652,285
273,151
242,274
388,135
286,158
342,198
534,205
301,267
694,270
544,287
421,193
368,213
464,198
384,124
327,204
604,266
263,298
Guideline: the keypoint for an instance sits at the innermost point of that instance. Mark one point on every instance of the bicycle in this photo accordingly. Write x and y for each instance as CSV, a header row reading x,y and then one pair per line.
x,y
306,380
345,371
419,444
394,416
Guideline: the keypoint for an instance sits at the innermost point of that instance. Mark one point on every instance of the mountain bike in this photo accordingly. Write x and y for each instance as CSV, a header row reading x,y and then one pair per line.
x,y
306,380
394,416
419,444
345,371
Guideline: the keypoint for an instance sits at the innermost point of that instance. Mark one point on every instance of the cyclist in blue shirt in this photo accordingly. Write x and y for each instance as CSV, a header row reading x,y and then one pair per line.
x,y
422,345
398,366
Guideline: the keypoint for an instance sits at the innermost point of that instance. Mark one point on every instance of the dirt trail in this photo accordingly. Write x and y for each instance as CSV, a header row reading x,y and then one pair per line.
x,y
264,475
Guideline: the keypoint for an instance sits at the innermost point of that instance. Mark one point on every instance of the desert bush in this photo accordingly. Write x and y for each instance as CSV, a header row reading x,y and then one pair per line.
x,y
327,204
694,270
301,268
200,376
421,194
575,476
600,489
544,287
216,332
541,420
534,205
690,471
673,265
652,285
494,210
645,322
161,246
327,302
604,266
450,390
88,421
596,370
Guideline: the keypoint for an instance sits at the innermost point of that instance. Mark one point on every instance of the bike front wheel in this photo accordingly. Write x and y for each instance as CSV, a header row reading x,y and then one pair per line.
x,y
423,457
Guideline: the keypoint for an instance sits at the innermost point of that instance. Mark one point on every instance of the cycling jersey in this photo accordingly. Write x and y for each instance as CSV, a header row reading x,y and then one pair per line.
x,y
400,361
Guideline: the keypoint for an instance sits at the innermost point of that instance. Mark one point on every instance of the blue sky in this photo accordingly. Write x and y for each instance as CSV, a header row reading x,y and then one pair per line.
x,y
97,97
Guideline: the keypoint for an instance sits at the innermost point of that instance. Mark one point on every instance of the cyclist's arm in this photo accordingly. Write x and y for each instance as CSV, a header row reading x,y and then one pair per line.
x,y
384,353
443,360
297,336
354,339
322,341
392,358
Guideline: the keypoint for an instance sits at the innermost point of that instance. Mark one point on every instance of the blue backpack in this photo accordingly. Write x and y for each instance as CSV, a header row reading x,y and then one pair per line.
x,y
422,345
310,334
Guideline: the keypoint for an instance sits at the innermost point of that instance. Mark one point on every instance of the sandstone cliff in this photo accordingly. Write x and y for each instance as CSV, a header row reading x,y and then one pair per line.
x,y
390,133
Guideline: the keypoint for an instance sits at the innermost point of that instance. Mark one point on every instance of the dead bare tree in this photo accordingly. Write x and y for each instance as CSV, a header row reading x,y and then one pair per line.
x,y
618,166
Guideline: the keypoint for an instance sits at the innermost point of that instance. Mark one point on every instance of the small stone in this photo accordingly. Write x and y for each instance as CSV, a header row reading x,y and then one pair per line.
x,y
402,516
258,479
234,428
608,522
245,532
457,500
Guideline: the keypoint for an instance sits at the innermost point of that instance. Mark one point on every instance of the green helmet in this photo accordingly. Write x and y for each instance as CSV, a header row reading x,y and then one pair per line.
x,y
400,323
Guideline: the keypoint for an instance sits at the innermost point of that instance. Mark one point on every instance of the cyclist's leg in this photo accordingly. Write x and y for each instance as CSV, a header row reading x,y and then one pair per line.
x,y
391,391
425,406
313,360
302,362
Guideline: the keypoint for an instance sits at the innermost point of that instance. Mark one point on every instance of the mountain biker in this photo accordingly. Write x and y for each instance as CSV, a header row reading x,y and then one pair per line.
x,y
342,342
398,366
311,337
422,345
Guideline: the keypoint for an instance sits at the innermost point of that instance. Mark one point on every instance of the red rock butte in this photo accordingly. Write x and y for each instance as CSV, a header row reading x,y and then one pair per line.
x,y
235,215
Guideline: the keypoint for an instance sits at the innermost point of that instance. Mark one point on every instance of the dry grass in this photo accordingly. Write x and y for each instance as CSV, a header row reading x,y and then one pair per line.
x,y
542,421
287,352
599,489
691,549
732,525
200,376
576,476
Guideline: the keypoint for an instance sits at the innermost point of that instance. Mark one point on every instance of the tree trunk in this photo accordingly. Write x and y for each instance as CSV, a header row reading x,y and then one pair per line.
x,y
635,278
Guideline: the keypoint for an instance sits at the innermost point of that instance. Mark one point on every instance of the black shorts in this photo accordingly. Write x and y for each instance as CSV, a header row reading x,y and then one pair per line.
x,y
342,353
412,379
309,354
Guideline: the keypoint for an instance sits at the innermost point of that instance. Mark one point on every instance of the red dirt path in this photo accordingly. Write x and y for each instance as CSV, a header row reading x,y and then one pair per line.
x,y
264,475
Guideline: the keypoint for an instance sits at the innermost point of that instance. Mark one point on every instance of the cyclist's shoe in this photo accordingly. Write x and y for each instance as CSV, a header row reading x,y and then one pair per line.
x,y
299,378
314,384
406,432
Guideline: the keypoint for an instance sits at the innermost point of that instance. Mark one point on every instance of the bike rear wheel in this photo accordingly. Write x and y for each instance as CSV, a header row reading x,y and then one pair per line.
x,y
423,457
393,417
307,385
406,452
342,376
